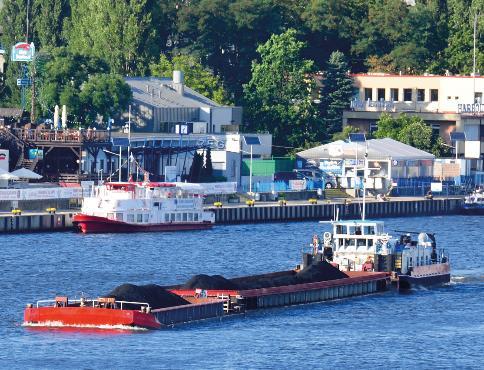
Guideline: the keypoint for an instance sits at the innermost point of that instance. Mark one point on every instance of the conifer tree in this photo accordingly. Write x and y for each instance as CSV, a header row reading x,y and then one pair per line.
x,y
336,93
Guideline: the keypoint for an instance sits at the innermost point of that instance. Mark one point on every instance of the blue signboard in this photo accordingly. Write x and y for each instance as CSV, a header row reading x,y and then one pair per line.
x,y
36,153
332,166
23,82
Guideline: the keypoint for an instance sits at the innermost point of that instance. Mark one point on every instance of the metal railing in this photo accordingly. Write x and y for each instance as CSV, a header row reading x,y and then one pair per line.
x,y
61,136
90,303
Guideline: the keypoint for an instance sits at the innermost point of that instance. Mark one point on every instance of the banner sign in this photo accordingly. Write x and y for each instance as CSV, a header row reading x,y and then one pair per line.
x,y
332,166
436,187
36,153
297,184
23,52
41,193
219,188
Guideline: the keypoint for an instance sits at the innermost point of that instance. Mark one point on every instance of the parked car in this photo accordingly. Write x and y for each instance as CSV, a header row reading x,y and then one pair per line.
x,y
285,176
317,175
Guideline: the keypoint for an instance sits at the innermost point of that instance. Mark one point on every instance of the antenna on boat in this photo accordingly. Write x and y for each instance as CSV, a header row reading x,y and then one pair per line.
x,y
358,137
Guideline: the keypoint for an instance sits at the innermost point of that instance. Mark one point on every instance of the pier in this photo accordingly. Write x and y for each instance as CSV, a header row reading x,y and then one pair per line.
x,y
260,212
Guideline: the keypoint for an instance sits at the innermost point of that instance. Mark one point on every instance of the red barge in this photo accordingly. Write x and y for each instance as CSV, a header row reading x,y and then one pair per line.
x,y
108,312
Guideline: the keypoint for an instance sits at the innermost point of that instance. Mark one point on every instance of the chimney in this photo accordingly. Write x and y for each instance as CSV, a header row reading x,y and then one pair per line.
x,y
178,82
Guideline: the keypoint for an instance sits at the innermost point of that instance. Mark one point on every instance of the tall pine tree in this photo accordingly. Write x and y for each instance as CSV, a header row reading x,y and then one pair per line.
x,y
336,93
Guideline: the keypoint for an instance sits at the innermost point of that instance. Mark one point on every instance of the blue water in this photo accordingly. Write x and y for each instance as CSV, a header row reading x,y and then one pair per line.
x,y
434,328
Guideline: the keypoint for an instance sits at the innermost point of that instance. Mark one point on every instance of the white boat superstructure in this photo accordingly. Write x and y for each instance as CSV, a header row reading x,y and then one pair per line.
x,y
148,205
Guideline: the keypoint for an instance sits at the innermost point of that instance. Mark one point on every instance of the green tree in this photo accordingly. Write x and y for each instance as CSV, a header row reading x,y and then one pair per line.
x,y
120,32
197,77
278,97
345,133
411,130
83,84
104,95
336,93
48,21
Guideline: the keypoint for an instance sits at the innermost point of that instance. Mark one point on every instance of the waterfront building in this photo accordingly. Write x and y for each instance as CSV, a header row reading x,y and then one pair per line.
x,y
447,103
387,159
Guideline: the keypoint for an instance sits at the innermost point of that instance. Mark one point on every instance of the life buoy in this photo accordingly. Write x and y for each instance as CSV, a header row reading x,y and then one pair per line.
x,y
327,236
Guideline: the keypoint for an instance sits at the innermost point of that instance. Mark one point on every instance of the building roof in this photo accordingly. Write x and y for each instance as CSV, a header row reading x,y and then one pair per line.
x,y
11,112
160,93
378,149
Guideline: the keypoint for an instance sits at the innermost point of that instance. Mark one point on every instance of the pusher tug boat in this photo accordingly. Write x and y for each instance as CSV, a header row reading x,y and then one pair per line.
x,y
142,206
474,203
363,245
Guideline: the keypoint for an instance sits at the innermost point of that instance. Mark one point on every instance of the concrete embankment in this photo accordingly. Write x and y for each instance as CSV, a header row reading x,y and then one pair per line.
x,y
33,222
262,212
326,211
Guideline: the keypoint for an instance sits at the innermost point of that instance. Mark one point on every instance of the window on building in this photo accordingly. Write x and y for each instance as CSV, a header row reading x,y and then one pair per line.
x,y
373,127
368,94
435,129
380,94
434,95
407,94
172,217
478,97
420,95
178,216
394,94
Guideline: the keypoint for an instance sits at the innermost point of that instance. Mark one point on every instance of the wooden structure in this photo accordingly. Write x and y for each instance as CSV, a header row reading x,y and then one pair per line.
x,y
55,143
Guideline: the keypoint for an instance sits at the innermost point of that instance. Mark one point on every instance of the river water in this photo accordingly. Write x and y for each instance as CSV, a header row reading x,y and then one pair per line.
x,y
426,328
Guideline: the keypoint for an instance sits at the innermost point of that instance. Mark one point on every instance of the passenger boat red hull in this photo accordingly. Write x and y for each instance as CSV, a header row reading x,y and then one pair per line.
x,y
94,224
88,317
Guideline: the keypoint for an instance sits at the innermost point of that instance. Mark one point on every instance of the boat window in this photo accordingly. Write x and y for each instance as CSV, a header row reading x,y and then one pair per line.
x,y
190,217
119,216
130,217
167,217
360,242
339,229
411,262
195,217
370,242
369,230
139,217
146,217
185,217
178,216
172,217
110,216
156,204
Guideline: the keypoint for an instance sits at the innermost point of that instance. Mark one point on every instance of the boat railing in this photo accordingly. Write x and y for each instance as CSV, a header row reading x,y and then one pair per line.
x,y
85,302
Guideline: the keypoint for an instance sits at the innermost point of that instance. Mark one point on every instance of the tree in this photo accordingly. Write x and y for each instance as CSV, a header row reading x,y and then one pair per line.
x,y
120,32
207,170
196,168
345,133
84,85
197,77
336,93
48,23
411,130
278,97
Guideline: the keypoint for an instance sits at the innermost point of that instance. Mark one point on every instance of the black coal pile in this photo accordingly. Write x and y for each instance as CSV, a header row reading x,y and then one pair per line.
x,y
155,295
209,282
321,271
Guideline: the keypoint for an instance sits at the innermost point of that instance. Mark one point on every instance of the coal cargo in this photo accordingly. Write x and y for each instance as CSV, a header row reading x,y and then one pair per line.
x,y
214,282
321,271
155,295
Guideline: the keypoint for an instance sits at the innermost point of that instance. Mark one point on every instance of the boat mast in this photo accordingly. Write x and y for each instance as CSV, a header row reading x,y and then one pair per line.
x,y
365,166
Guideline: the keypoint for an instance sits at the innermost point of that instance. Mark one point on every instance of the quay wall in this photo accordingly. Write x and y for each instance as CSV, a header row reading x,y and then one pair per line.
x,y
326,211
61,221
36,222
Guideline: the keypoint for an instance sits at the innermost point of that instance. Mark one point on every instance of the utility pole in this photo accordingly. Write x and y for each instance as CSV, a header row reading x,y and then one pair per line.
x,y
474,63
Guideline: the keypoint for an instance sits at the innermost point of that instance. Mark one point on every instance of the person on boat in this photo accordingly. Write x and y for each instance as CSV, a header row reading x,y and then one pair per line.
x,y
315,244
368,265
429,195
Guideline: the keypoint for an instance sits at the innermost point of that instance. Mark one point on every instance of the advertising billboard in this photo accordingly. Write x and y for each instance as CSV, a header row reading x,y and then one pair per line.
x,y
23,52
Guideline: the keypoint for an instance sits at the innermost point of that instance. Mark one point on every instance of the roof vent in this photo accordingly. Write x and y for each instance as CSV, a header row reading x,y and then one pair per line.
x,y
178,82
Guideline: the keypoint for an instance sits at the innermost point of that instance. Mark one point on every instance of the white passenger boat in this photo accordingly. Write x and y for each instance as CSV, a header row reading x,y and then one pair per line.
x,y
142,206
